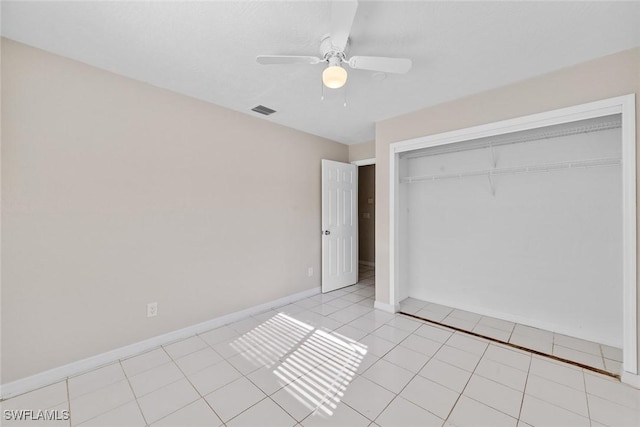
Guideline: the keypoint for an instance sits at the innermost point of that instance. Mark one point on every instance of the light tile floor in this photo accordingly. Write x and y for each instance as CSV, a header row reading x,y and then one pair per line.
x,y
332,360
588,353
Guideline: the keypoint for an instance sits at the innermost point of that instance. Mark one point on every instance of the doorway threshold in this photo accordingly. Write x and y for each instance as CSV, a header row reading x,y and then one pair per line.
x,y
584,354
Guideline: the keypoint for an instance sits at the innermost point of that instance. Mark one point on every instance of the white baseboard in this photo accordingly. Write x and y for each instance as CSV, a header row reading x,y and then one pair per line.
x,y
367,263
386,307
61,373
630,379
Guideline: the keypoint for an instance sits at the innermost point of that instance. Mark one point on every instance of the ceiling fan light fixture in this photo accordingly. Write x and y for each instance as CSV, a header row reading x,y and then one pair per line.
x,y
334,48
334,76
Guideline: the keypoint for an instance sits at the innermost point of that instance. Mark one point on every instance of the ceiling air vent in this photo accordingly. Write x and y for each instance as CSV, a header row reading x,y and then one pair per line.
x,y
263,110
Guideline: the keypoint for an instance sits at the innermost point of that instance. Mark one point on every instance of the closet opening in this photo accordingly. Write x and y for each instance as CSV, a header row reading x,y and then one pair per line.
x,y
523,232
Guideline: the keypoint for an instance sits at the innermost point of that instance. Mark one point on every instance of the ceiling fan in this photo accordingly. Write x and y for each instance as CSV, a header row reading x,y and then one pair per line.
x,y
334,48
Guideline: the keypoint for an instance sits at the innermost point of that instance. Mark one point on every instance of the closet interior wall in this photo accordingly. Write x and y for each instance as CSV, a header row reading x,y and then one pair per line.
x,y
526,227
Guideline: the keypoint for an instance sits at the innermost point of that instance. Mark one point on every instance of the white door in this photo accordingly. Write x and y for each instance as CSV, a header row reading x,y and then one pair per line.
x,y
339,225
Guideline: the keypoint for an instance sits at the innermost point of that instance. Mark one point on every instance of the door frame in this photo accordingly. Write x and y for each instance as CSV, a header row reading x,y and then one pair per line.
x,y
364,162
624,105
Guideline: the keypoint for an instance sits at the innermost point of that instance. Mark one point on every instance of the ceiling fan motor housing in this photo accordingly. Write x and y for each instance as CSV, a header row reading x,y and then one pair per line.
x,y
328,51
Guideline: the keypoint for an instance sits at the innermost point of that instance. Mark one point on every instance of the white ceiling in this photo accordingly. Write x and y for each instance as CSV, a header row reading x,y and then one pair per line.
x,y
207,50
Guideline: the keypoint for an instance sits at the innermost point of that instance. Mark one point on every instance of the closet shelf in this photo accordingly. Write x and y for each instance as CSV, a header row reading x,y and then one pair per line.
x,y
490,142
546,167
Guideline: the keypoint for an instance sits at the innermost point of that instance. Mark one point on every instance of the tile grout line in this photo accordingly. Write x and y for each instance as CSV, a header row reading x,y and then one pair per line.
x,y
287,412
188,380
513,329
498,383
246,409
190,383
405,386
586,397
135,397
549,401
361,375
397,395
269,396
116,407
266,396
604,363
326,399
552,403
524,389
467,383
537,352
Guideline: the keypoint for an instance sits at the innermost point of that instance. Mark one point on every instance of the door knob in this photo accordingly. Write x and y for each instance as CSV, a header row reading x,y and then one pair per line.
x,y
327,232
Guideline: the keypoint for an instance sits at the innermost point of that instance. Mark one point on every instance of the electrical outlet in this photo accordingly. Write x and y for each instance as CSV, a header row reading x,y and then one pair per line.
x,y
310,272
152,309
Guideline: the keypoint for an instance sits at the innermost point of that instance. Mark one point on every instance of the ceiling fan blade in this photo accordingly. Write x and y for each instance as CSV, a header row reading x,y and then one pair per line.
x,y
286,59
379,63
342,14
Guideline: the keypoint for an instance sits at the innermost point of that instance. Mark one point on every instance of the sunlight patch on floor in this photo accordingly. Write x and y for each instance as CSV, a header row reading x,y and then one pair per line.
x,y
317,365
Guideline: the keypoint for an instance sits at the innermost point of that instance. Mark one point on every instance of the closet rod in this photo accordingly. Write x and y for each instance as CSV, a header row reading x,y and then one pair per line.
x,y
546,167
497,142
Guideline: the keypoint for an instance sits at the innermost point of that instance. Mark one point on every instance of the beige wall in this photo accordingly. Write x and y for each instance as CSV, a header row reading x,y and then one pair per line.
x,y
366,226
606,77
362,151
117,193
